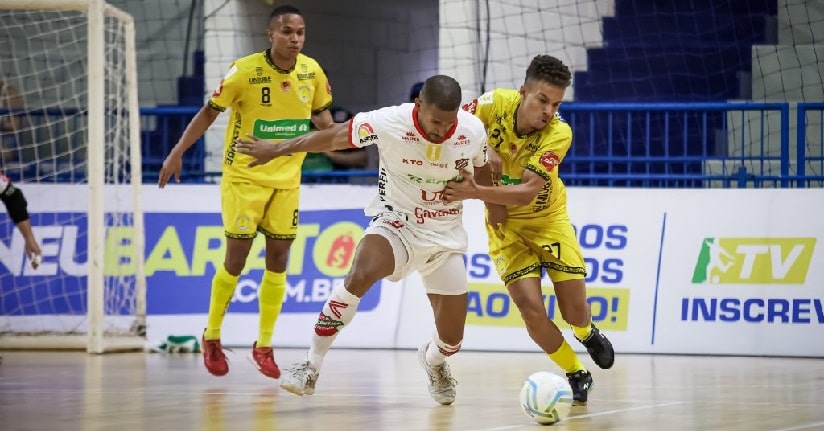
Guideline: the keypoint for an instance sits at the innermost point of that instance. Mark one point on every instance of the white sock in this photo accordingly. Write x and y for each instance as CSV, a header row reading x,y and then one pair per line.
x,y
438,351
337,312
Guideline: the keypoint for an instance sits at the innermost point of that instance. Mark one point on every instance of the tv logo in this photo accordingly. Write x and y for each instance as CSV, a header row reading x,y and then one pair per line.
x,y
753,260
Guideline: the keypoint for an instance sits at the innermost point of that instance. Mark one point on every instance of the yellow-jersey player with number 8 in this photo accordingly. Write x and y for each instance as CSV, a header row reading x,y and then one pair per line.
x,y
274,95
528,226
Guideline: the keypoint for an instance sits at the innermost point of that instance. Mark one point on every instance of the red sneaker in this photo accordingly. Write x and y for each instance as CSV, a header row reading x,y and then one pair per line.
x,y
264,360
213,357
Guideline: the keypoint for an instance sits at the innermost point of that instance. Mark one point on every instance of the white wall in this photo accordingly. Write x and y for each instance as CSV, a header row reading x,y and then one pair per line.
x,y
372,51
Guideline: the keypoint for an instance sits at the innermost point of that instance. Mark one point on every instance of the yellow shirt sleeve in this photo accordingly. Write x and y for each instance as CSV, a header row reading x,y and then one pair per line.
x,y
228,91
482,107
552,149
323,92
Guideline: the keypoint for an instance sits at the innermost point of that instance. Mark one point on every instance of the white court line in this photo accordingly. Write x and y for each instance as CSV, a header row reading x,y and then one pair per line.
x,y
801,427
631,409
590,415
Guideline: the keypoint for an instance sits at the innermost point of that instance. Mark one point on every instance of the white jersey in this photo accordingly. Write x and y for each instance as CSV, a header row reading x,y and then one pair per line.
x,y
414,171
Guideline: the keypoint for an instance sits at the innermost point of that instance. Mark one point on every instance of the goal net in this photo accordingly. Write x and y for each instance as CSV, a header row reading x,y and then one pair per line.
x,y
70,142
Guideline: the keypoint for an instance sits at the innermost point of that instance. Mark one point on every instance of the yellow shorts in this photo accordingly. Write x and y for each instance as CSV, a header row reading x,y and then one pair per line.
x,y
520,251
248,208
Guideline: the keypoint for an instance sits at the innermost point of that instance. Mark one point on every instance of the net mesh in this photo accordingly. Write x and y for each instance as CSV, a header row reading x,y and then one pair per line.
x,y
45,144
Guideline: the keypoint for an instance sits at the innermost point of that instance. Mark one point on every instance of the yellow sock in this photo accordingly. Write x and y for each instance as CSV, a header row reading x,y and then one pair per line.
x,y
582,333
223,287
566,358
270,301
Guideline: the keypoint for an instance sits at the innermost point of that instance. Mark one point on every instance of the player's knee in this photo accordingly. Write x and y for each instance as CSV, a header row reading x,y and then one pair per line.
x,y
234,265
575,314
533,316
360,279
276,262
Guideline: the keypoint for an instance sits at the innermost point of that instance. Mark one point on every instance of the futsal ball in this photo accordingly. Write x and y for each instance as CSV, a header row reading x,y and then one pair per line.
x,y
546,397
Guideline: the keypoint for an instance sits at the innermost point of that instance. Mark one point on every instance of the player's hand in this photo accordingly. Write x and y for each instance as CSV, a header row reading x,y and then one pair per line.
x,y
463,189
496,215
171,166
494,162
261,150
34,253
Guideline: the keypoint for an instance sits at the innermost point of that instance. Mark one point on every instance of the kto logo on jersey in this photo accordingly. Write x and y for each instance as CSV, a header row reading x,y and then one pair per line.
x,y
433,152
366,133
753,260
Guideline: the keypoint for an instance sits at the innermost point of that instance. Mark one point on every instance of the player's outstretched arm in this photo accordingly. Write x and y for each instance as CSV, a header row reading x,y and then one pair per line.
x,y
333,138
196,128
17,207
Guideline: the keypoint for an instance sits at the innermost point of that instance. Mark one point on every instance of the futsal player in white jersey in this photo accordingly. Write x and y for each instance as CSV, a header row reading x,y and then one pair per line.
x,y
422,145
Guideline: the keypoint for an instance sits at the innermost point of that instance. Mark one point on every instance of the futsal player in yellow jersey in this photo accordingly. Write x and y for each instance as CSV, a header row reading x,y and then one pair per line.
x,y
274,95
527,222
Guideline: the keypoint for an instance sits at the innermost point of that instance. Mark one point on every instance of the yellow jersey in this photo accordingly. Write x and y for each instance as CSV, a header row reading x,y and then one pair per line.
x,y
540,152
270,103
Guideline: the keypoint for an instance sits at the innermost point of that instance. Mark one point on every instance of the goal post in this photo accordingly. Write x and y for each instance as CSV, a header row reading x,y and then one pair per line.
x,y
94,145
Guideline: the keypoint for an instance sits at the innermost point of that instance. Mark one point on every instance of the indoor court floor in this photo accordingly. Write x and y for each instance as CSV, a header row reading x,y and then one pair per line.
x,y
385,390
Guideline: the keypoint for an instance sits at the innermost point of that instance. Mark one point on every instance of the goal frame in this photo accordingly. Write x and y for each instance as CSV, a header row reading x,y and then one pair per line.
x,y
95,340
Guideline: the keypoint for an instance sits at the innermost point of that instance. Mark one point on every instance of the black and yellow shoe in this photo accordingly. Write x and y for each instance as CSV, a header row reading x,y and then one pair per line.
x,y
581,383
599,348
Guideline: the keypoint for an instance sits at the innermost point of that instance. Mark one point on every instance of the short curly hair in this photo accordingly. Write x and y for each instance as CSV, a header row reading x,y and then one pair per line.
x,y
550,70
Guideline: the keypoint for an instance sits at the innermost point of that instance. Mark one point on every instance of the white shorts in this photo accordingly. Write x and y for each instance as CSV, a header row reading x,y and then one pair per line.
x,y
436,256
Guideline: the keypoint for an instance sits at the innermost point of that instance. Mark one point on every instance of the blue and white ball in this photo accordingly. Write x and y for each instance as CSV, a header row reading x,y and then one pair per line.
x,y
546,397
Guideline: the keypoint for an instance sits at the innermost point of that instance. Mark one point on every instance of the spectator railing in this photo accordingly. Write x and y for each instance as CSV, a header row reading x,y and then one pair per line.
x,y
614,145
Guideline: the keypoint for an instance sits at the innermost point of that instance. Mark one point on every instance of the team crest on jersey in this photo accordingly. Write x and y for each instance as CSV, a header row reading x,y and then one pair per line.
x,y
433,152
366,133
461,164
304,92
285,86
549,160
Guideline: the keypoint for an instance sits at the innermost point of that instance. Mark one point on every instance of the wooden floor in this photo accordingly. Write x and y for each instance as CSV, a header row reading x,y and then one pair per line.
x,y
386,390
